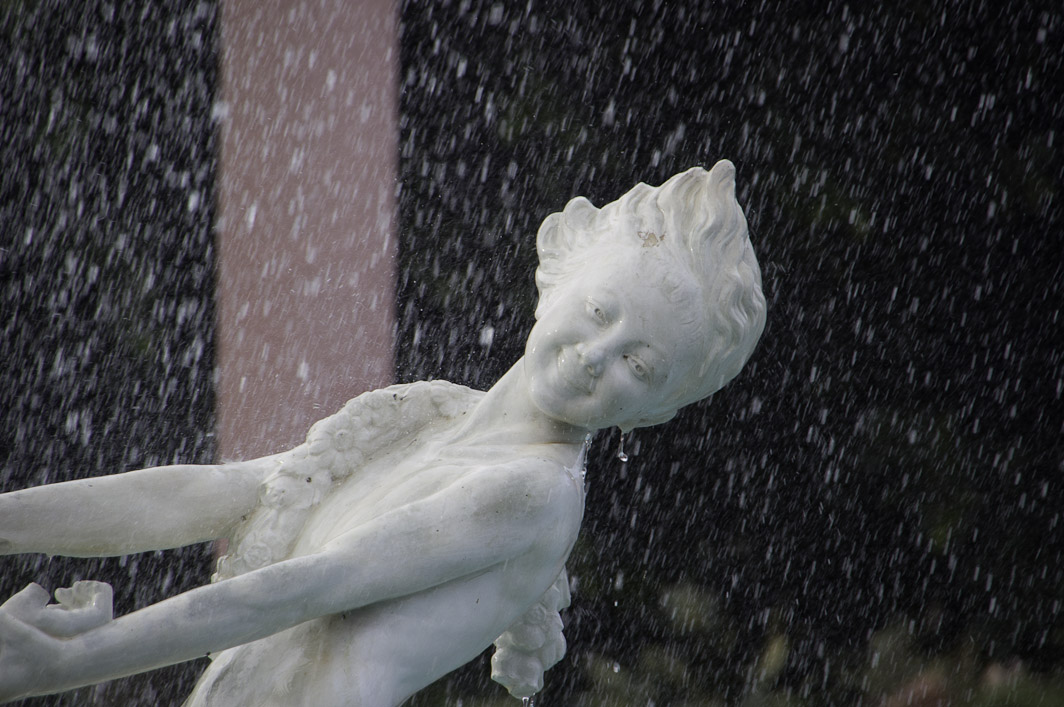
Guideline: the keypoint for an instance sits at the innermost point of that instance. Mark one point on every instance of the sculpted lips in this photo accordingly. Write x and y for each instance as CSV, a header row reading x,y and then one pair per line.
x,y
570,369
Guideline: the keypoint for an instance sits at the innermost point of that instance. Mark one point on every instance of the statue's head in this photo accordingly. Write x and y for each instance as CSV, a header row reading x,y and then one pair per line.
x,y
646,305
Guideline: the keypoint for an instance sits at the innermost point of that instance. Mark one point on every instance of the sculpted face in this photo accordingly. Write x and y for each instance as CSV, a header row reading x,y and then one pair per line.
x,y
612,345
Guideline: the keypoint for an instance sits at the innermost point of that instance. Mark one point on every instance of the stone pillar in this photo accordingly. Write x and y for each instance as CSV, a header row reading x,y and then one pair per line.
x,y
307,201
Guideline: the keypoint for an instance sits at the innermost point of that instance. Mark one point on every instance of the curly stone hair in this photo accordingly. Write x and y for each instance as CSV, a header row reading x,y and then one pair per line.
x,y
695,225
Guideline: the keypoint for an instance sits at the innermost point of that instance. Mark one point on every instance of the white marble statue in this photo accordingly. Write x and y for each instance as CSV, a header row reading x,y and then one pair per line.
x,y
422,522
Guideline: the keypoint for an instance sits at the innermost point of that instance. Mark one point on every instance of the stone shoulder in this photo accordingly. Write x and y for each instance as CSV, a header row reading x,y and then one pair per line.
x,y
337,447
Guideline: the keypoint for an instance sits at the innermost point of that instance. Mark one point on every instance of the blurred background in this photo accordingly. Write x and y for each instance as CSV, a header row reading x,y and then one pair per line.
x,y
870,514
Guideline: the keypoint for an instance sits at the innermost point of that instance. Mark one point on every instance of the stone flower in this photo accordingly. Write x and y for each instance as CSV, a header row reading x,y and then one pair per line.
x,y
255,552
333,443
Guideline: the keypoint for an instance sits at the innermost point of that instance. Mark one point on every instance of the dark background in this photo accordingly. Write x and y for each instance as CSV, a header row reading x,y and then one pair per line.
x,y
870,512
108,156
874,505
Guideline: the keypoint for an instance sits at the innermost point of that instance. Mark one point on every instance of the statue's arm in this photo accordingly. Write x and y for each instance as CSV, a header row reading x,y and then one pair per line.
x,y
151,509
456,532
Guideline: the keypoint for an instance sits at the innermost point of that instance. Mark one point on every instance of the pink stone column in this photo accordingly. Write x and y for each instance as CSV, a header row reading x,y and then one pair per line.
x,y
307,202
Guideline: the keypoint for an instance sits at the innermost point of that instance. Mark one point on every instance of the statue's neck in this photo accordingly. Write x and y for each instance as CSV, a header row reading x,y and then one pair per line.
x,y
508,414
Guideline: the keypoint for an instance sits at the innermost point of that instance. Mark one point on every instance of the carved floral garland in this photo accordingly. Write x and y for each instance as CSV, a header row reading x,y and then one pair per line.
x,y
336,447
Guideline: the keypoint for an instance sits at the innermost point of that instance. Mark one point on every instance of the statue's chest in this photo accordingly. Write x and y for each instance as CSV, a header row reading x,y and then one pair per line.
x,y
389,482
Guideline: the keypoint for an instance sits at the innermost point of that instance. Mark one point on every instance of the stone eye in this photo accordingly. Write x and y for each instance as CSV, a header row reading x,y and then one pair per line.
x,y
637,367
596,312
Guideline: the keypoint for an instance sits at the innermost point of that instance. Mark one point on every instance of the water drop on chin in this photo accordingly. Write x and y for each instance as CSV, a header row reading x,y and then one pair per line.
x,y
620,450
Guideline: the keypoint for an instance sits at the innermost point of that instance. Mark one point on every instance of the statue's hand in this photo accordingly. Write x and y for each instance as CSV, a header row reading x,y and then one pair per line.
x,y
81,608
32,633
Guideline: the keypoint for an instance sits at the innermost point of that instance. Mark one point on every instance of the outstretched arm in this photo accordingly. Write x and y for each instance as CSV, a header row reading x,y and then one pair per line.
x,y
151,509
459,531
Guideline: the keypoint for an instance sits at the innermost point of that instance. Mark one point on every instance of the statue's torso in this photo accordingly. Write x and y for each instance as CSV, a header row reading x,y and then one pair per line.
x,y
378,655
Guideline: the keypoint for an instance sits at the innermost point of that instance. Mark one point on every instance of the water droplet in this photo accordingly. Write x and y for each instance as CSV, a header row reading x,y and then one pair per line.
x,y
587,452
620,450
528,702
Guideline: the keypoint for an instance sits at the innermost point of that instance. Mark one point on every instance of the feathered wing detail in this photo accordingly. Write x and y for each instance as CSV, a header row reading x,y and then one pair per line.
x,y
336,447
533,643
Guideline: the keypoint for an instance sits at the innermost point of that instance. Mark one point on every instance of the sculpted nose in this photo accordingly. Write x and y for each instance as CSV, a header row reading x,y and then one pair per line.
x,y
591,357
